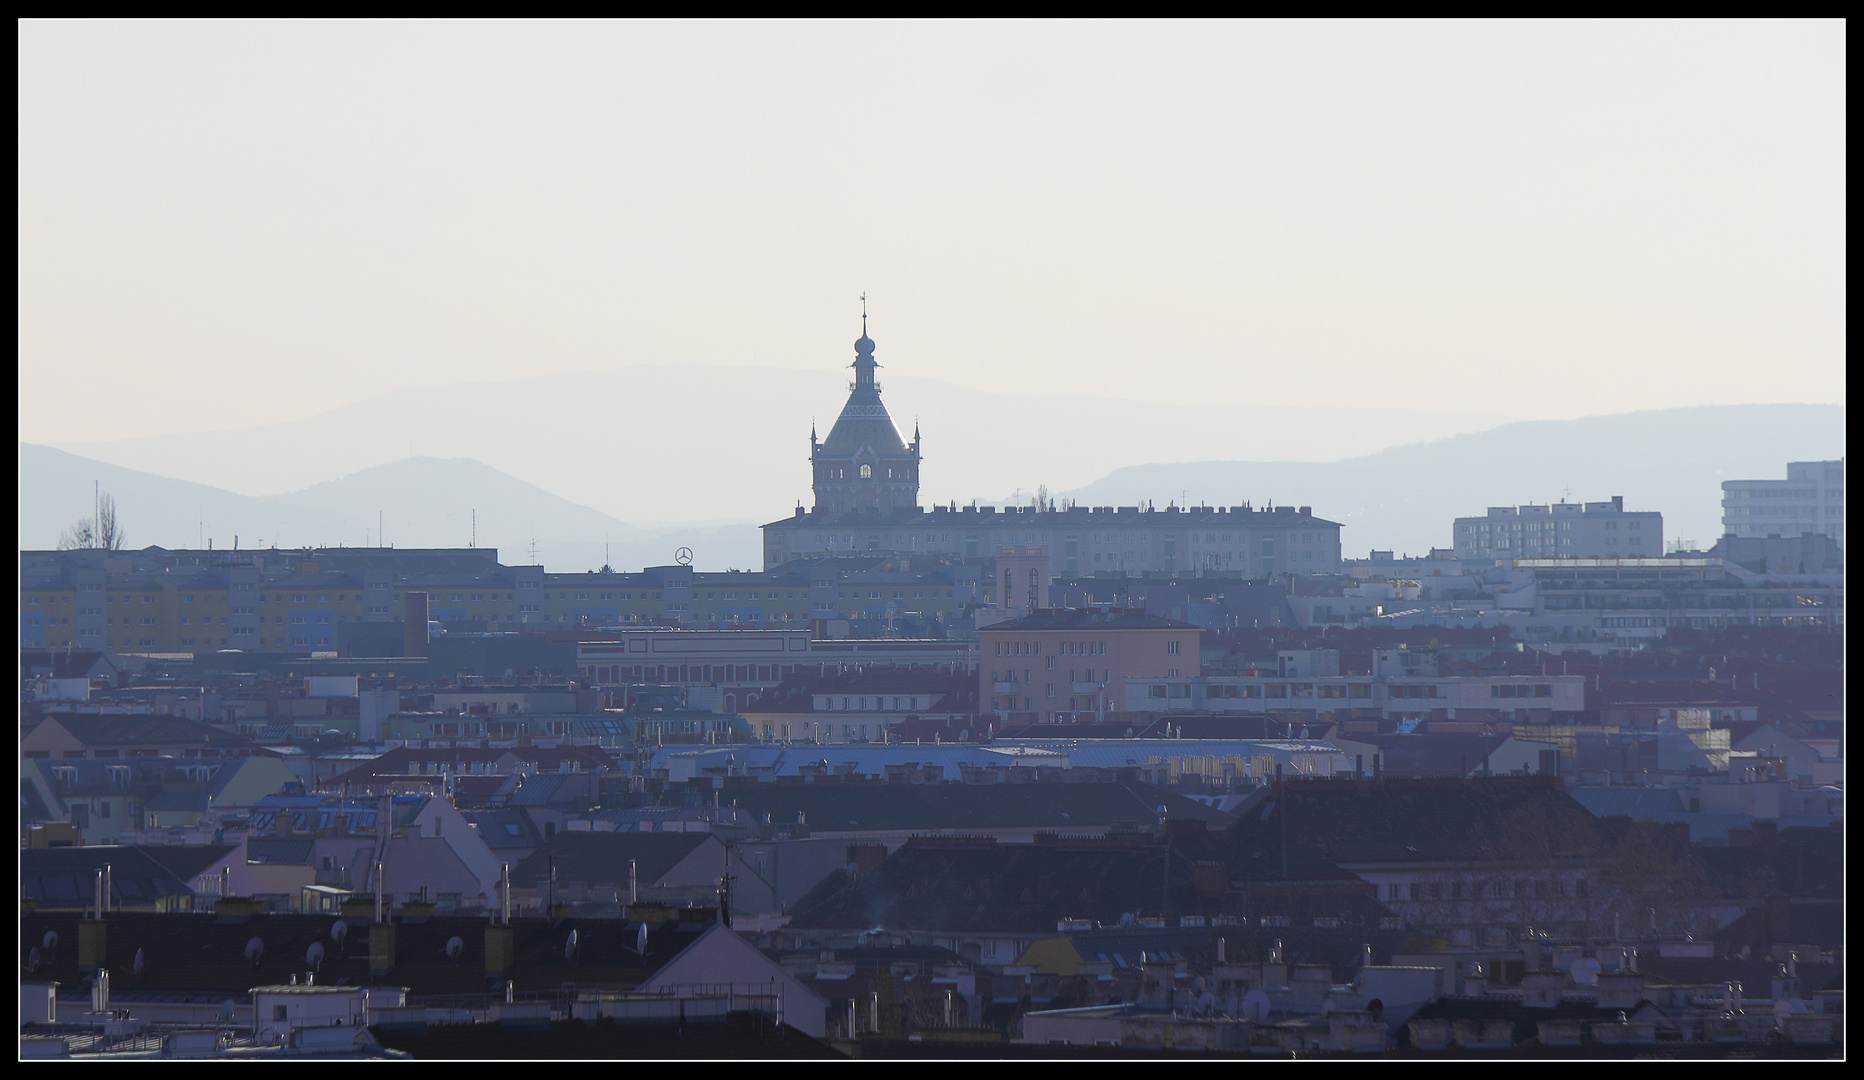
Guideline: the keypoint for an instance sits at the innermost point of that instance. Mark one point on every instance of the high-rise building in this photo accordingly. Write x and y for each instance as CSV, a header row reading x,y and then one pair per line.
x,y
1810,500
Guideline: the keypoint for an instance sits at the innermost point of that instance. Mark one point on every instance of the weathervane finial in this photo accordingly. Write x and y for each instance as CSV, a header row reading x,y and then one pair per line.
x,y
863,314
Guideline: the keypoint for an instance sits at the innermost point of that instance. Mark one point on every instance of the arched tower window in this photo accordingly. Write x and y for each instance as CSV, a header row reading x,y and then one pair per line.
x,y
867,472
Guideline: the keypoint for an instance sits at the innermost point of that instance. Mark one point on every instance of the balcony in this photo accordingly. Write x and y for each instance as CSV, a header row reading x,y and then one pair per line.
x,y
1006,688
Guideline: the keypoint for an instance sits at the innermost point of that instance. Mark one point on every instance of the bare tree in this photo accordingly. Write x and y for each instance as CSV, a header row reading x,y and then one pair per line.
x,y
81,535
99,531
109,533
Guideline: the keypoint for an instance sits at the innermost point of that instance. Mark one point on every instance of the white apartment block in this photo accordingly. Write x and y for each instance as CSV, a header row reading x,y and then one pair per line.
x,y
1393,696
1810,499
1563,530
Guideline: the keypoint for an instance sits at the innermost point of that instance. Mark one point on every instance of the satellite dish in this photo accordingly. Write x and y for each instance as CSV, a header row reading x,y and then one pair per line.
x,y
314,955
569,947
1256,1006
32,959
640,940
228,1010
137,965
455,946
338,931
254,949
684,556
50,940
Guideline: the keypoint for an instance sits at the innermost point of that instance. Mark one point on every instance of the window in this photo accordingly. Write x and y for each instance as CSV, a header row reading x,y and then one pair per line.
x,y
1171,648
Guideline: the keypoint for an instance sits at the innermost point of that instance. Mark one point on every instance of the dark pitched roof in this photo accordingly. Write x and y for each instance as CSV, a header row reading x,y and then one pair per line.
x,y
968,806
1086,620
178,800
603,857
741,1036
982,885
76,664
1798,862
1526,1020
1431,755
66,876
295,850
186,861
1303,830
31,806
505,830
111,730
202,953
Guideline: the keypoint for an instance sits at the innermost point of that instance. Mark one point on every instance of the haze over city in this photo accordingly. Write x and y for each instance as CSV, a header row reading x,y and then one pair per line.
x,y
1312,539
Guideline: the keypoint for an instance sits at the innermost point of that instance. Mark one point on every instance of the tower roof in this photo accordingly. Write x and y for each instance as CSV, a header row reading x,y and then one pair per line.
x,y
864,420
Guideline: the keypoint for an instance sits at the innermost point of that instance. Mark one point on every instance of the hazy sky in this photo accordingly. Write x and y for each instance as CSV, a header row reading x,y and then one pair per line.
x,y
229,224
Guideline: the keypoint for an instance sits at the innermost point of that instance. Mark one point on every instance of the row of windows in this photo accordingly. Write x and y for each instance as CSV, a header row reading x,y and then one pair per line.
x,y
1016,539
1063,648
296,598
1525,888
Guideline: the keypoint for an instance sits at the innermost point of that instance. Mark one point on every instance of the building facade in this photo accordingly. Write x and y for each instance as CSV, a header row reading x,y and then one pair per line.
x,y
864,466
1069,663
1810,500
1248,542
866,484
1595,530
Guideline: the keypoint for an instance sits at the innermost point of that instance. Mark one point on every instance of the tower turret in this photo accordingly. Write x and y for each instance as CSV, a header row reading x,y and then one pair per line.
x,y
864,465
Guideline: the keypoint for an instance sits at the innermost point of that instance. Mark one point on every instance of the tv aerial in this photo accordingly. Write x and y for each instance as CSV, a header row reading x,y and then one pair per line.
x,y
683,556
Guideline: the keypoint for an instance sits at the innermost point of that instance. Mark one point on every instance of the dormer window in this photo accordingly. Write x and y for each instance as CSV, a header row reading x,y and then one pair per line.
x,y
867,472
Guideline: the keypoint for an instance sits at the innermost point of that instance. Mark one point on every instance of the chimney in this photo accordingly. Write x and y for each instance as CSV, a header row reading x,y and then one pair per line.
x,y
1620,989
1786,983
1541,989
1476,984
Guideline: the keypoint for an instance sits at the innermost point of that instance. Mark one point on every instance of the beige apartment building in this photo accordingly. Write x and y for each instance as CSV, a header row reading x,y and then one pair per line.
x,y
1062,664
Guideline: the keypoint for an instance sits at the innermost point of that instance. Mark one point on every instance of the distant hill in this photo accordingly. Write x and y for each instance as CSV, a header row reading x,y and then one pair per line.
x,y
1403,498
667,445
1406,498
419,502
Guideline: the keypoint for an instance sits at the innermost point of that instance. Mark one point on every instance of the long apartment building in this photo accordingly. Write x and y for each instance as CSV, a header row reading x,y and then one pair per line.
x,y
1402,685
1810,500
1248,542
157,600
866,486
1631,600
1563,530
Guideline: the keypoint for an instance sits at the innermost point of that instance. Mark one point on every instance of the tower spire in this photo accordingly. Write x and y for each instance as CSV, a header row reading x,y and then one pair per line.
x,y
863,314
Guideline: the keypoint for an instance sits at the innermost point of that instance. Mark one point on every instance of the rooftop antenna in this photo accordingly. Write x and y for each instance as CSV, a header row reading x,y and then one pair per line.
x,y
378,528
475,529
